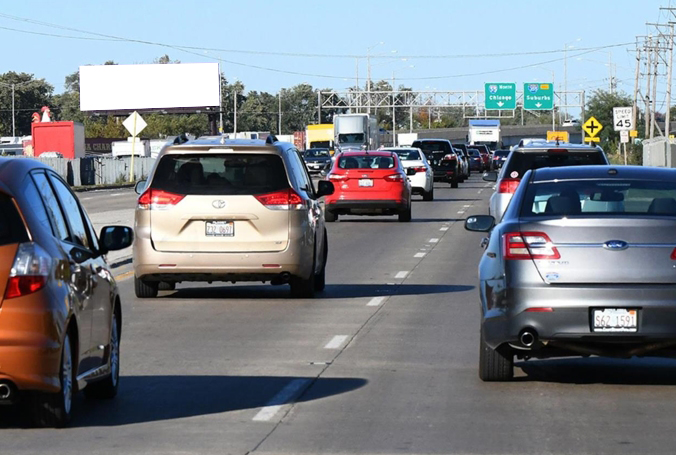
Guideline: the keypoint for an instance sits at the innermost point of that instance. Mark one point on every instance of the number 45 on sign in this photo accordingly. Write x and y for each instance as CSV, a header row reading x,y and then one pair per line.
x,y
623,118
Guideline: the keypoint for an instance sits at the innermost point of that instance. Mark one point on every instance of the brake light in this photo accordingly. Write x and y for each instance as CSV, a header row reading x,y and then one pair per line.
x,y
508,185
337,177
529,245
281,200
557,151
395,178
673,255
30,271
154,199
419,169
449,157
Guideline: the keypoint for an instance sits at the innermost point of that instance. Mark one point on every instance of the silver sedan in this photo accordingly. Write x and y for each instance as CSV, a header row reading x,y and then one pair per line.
x,y
582,263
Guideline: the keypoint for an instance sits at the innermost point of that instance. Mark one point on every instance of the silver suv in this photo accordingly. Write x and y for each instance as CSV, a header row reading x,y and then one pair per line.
x,y
230,210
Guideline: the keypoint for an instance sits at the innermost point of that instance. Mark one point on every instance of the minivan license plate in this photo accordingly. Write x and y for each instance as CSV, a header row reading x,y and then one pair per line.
x,y
615,320
366,182
220,228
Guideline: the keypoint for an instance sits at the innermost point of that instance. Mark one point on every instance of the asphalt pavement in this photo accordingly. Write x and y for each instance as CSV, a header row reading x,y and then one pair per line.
x,y
383,362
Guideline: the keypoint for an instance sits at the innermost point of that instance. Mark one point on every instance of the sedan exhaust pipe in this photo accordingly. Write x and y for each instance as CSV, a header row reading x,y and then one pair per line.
x,y
5,392
528,338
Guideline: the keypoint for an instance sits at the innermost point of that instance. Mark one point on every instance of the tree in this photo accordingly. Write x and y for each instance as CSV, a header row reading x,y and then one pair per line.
x,y
30,94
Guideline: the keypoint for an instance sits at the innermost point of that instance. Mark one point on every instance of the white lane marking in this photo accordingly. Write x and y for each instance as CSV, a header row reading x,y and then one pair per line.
x,y
391,284
336,342
461,211
445,228
86,198
435,240
285,396
402,274
479,192
466,206
117,194
419,255
376,301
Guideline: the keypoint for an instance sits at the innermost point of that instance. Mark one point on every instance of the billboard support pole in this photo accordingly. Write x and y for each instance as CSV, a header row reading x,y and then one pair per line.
x,y
133,147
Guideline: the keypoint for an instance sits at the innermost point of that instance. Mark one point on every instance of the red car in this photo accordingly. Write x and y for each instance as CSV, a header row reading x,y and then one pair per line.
x,y
369,183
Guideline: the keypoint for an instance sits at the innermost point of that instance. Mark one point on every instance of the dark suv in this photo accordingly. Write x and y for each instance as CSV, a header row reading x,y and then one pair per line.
x,y
442,158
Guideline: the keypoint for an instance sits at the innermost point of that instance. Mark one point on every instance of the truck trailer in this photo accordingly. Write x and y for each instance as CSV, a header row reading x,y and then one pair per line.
x,y
356,131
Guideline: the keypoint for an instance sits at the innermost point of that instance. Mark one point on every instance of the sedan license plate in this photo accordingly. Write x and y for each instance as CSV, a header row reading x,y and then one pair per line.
x,y
366,182
220,228
614,320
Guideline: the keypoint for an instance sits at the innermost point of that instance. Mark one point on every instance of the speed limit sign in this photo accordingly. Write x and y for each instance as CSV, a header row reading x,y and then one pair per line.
x,y
623,118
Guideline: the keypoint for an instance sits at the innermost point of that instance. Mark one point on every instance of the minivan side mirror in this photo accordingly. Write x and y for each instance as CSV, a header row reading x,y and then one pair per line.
x,y
479,223
490,176
140,186
325,188
113,238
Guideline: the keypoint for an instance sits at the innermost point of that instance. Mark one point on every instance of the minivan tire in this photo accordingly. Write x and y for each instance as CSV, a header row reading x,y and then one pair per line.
x,y
454,184
304,288
145,289
495,365
55,409
166,286
320,278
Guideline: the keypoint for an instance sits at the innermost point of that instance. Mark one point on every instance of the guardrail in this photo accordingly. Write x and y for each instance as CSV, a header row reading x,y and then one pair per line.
x,y
97,170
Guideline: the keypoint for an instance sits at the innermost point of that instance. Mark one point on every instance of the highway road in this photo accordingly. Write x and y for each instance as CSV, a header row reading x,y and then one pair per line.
x,y
384,362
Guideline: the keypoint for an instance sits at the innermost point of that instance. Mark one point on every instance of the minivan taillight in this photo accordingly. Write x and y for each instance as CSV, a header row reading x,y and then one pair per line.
x,y
154,199
281,200
30,271
528,245
508,185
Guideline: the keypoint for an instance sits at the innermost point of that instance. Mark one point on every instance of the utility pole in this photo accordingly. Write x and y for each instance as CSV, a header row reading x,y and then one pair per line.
x,y
667,118
646,96
654,97
636,76
279,108
235,118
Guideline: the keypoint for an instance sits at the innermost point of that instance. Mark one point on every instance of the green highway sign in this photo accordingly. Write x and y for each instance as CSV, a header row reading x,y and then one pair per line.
x,y
538,96
500,96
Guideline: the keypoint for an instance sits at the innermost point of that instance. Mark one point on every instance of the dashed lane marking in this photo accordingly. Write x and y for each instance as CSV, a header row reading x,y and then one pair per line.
x,y
444,229
419,255
284,397
434,240
376,301
336,342
402,274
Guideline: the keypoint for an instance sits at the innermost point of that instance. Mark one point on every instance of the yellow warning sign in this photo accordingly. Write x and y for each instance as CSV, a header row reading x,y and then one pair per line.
x,y
560,136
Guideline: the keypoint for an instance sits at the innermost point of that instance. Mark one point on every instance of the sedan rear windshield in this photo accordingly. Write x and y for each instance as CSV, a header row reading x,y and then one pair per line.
x,y
222,174
366,162
12,229
316,153
520,162
433,146
408,155
473,152
600,197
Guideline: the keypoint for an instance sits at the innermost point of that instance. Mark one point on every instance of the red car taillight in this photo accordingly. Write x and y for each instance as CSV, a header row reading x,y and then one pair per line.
x,y
337,177
30,271
395,178
528,245
508,185
281,200
158,200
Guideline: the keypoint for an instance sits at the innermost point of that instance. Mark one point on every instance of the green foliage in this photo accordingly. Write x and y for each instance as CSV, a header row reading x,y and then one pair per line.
x,y
30,94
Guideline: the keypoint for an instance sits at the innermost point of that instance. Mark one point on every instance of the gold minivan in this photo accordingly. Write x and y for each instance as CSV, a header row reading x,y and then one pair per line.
x,y
230,210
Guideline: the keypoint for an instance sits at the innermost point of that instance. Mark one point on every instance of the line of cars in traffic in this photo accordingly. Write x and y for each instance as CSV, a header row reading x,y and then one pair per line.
x,y
579,260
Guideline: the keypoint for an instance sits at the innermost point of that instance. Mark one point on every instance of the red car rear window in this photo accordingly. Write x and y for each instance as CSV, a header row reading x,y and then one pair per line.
x,y
366,162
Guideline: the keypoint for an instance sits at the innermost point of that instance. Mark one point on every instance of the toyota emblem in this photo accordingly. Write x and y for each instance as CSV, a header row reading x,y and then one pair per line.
x,y
219,204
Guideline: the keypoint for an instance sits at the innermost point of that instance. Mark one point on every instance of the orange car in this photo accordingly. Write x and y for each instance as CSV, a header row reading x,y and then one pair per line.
x,y
60,312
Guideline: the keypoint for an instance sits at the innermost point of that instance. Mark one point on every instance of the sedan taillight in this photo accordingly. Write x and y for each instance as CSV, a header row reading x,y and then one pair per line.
x,y
528,245
337,177
30,271
395,178
508,185
419,169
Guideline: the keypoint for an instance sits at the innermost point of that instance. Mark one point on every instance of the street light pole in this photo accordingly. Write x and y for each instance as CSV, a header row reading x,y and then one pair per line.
x,y
13,116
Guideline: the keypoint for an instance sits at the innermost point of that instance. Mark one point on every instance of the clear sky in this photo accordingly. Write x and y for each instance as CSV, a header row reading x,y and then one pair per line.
x,y
476,34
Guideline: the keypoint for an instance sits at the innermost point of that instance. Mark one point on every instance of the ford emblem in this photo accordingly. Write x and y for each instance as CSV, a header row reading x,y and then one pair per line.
x,y
219,204
616,245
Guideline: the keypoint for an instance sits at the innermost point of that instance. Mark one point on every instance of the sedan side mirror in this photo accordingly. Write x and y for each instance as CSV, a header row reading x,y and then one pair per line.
x,y
480,223
410,171
325,188
490,176
114,238
140,186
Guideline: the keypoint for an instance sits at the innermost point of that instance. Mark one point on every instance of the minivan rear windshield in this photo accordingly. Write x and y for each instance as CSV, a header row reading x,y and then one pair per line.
x,y
222,174
520,162
600,197
12,229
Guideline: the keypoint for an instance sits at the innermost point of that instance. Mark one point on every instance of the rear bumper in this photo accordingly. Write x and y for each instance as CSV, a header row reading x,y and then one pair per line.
x,y
373,204
449,175
571,318
154,265
30,341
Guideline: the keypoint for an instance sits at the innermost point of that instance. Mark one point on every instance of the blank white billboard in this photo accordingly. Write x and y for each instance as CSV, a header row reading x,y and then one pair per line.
x,y
107,88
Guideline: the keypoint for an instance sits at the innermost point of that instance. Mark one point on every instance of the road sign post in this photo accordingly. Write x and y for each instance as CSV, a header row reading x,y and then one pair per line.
x,y
500,96
538,96
134,124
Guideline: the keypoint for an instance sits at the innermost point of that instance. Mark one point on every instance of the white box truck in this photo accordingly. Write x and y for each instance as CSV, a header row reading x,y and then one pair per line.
x,y
356,131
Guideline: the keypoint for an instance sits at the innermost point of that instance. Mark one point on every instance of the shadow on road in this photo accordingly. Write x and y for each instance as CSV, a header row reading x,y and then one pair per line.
x,y
144,399
394,220
601,370
332,291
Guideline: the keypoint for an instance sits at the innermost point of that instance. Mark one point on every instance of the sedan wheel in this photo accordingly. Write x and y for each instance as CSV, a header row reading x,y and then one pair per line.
x,y
495,365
